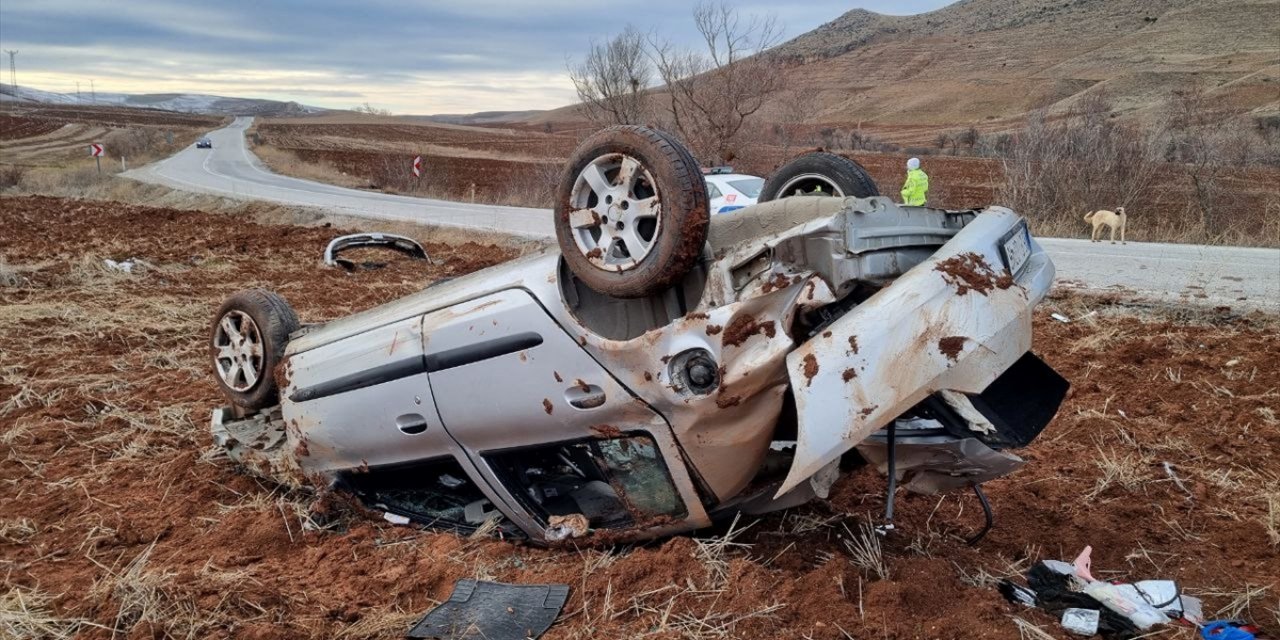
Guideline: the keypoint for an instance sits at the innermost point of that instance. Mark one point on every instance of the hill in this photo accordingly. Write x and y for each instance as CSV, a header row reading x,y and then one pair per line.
x,y
982,60
181,102
990,62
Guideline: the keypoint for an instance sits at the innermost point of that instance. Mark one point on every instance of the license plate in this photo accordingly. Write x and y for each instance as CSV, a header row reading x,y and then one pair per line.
x,y
1016,248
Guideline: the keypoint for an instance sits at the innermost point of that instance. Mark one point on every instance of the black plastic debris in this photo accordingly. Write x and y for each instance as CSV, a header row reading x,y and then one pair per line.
x,y
493,611
1054,593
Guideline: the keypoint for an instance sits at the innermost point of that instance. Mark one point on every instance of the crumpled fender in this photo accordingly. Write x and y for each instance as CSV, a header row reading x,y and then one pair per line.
x,y
955,321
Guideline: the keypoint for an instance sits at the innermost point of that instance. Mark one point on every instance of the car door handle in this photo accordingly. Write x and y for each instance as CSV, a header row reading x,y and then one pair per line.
x,y
411,423
585,396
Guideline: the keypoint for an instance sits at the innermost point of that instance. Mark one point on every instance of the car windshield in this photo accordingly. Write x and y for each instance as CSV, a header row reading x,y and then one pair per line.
x,y
749,187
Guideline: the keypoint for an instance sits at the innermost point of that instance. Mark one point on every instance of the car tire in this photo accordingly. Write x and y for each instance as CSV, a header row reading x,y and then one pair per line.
x,y
833,175
596,223
247,339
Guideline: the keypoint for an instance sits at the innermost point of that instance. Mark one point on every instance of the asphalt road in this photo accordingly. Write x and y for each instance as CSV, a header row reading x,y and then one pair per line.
x,y
229,169
1241,278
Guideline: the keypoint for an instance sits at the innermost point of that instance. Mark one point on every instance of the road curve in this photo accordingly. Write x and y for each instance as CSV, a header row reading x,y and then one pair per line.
x,y
230,169
1241,278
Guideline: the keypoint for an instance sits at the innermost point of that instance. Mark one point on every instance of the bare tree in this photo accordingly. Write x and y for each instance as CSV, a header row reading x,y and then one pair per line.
x,y
711,93
1058,169
612,80
371,110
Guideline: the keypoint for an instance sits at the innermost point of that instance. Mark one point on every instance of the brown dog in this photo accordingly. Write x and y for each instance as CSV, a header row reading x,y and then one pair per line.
x,y
1113,219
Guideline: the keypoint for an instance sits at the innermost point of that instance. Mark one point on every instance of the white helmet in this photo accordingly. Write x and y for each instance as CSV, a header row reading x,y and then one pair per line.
x,y
913,163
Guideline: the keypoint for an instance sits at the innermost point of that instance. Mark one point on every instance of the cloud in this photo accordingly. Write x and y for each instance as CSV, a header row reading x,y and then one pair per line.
x,y
410,57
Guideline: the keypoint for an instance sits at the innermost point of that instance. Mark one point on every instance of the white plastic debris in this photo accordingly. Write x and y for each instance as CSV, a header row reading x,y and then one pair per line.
x,y
1164,596
1022,595
394,518
1082,622
1060,318
1059,566
1121,601
124,266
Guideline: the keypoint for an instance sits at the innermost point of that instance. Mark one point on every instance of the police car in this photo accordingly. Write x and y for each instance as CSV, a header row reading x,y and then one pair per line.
x,y
730,191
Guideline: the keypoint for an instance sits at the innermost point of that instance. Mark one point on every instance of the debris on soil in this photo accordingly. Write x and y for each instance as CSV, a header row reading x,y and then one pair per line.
x,y
951,346
103,459
742,327
493,611
123,266
574,525
1119,610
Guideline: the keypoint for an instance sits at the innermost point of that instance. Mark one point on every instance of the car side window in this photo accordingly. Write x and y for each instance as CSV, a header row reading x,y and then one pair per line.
x,y
435,492
713,191
614,482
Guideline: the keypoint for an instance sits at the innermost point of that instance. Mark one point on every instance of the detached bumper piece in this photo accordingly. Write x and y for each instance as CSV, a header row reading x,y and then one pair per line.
x,y
493,611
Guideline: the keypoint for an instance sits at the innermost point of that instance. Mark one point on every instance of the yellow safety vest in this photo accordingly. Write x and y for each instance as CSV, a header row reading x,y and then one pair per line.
x,y
916,189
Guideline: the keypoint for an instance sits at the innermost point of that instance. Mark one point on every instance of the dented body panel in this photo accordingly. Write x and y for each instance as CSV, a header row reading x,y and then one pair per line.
x,y
551,408
953,322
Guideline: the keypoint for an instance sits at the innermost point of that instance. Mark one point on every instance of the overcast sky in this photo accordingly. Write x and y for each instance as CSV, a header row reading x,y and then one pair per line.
x,y
410,57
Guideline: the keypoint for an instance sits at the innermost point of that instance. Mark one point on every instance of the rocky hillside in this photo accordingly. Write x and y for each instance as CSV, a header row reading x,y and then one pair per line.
x,y
988,63
984,60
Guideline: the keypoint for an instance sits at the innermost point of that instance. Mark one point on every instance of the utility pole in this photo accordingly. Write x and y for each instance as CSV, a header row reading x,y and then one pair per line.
x,y
13,68
93,93
77,91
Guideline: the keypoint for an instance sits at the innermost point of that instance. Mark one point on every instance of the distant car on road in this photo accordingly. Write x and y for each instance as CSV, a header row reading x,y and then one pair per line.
x,y
731,191
204,143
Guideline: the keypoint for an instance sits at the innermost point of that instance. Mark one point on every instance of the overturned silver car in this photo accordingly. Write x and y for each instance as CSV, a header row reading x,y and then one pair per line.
x,y
664,369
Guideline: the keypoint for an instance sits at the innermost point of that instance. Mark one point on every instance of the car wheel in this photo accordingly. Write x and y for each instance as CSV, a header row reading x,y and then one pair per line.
x,y
631,212
819,173
246,342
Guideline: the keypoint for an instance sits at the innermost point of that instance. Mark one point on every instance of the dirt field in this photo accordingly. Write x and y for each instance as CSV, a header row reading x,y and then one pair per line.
x,y
119,520
42,136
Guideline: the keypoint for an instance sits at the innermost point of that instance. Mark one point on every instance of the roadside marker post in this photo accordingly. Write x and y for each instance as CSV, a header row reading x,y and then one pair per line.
x,y
417,166
97,152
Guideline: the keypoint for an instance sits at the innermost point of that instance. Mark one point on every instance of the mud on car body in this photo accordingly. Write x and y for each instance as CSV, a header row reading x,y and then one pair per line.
x,y
663,369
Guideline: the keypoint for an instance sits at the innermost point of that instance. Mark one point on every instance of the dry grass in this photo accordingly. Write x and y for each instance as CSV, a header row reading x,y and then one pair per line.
x,y
713,553
288,163
1271,521
24,615
1030,631
1128,471
865,551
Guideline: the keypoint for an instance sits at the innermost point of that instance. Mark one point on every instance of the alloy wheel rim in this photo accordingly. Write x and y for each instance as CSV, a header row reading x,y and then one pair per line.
x,y
615,212
238,352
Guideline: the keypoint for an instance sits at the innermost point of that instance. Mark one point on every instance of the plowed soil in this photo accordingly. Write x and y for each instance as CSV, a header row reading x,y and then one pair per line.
x,y
119,520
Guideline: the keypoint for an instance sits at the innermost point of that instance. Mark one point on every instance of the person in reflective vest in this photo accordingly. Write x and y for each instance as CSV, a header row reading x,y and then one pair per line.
x,y
916,189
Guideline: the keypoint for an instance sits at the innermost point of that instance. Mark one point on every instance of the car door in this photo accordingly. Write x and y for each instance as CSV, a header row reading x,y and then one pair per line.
x,y
508,380
714,197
